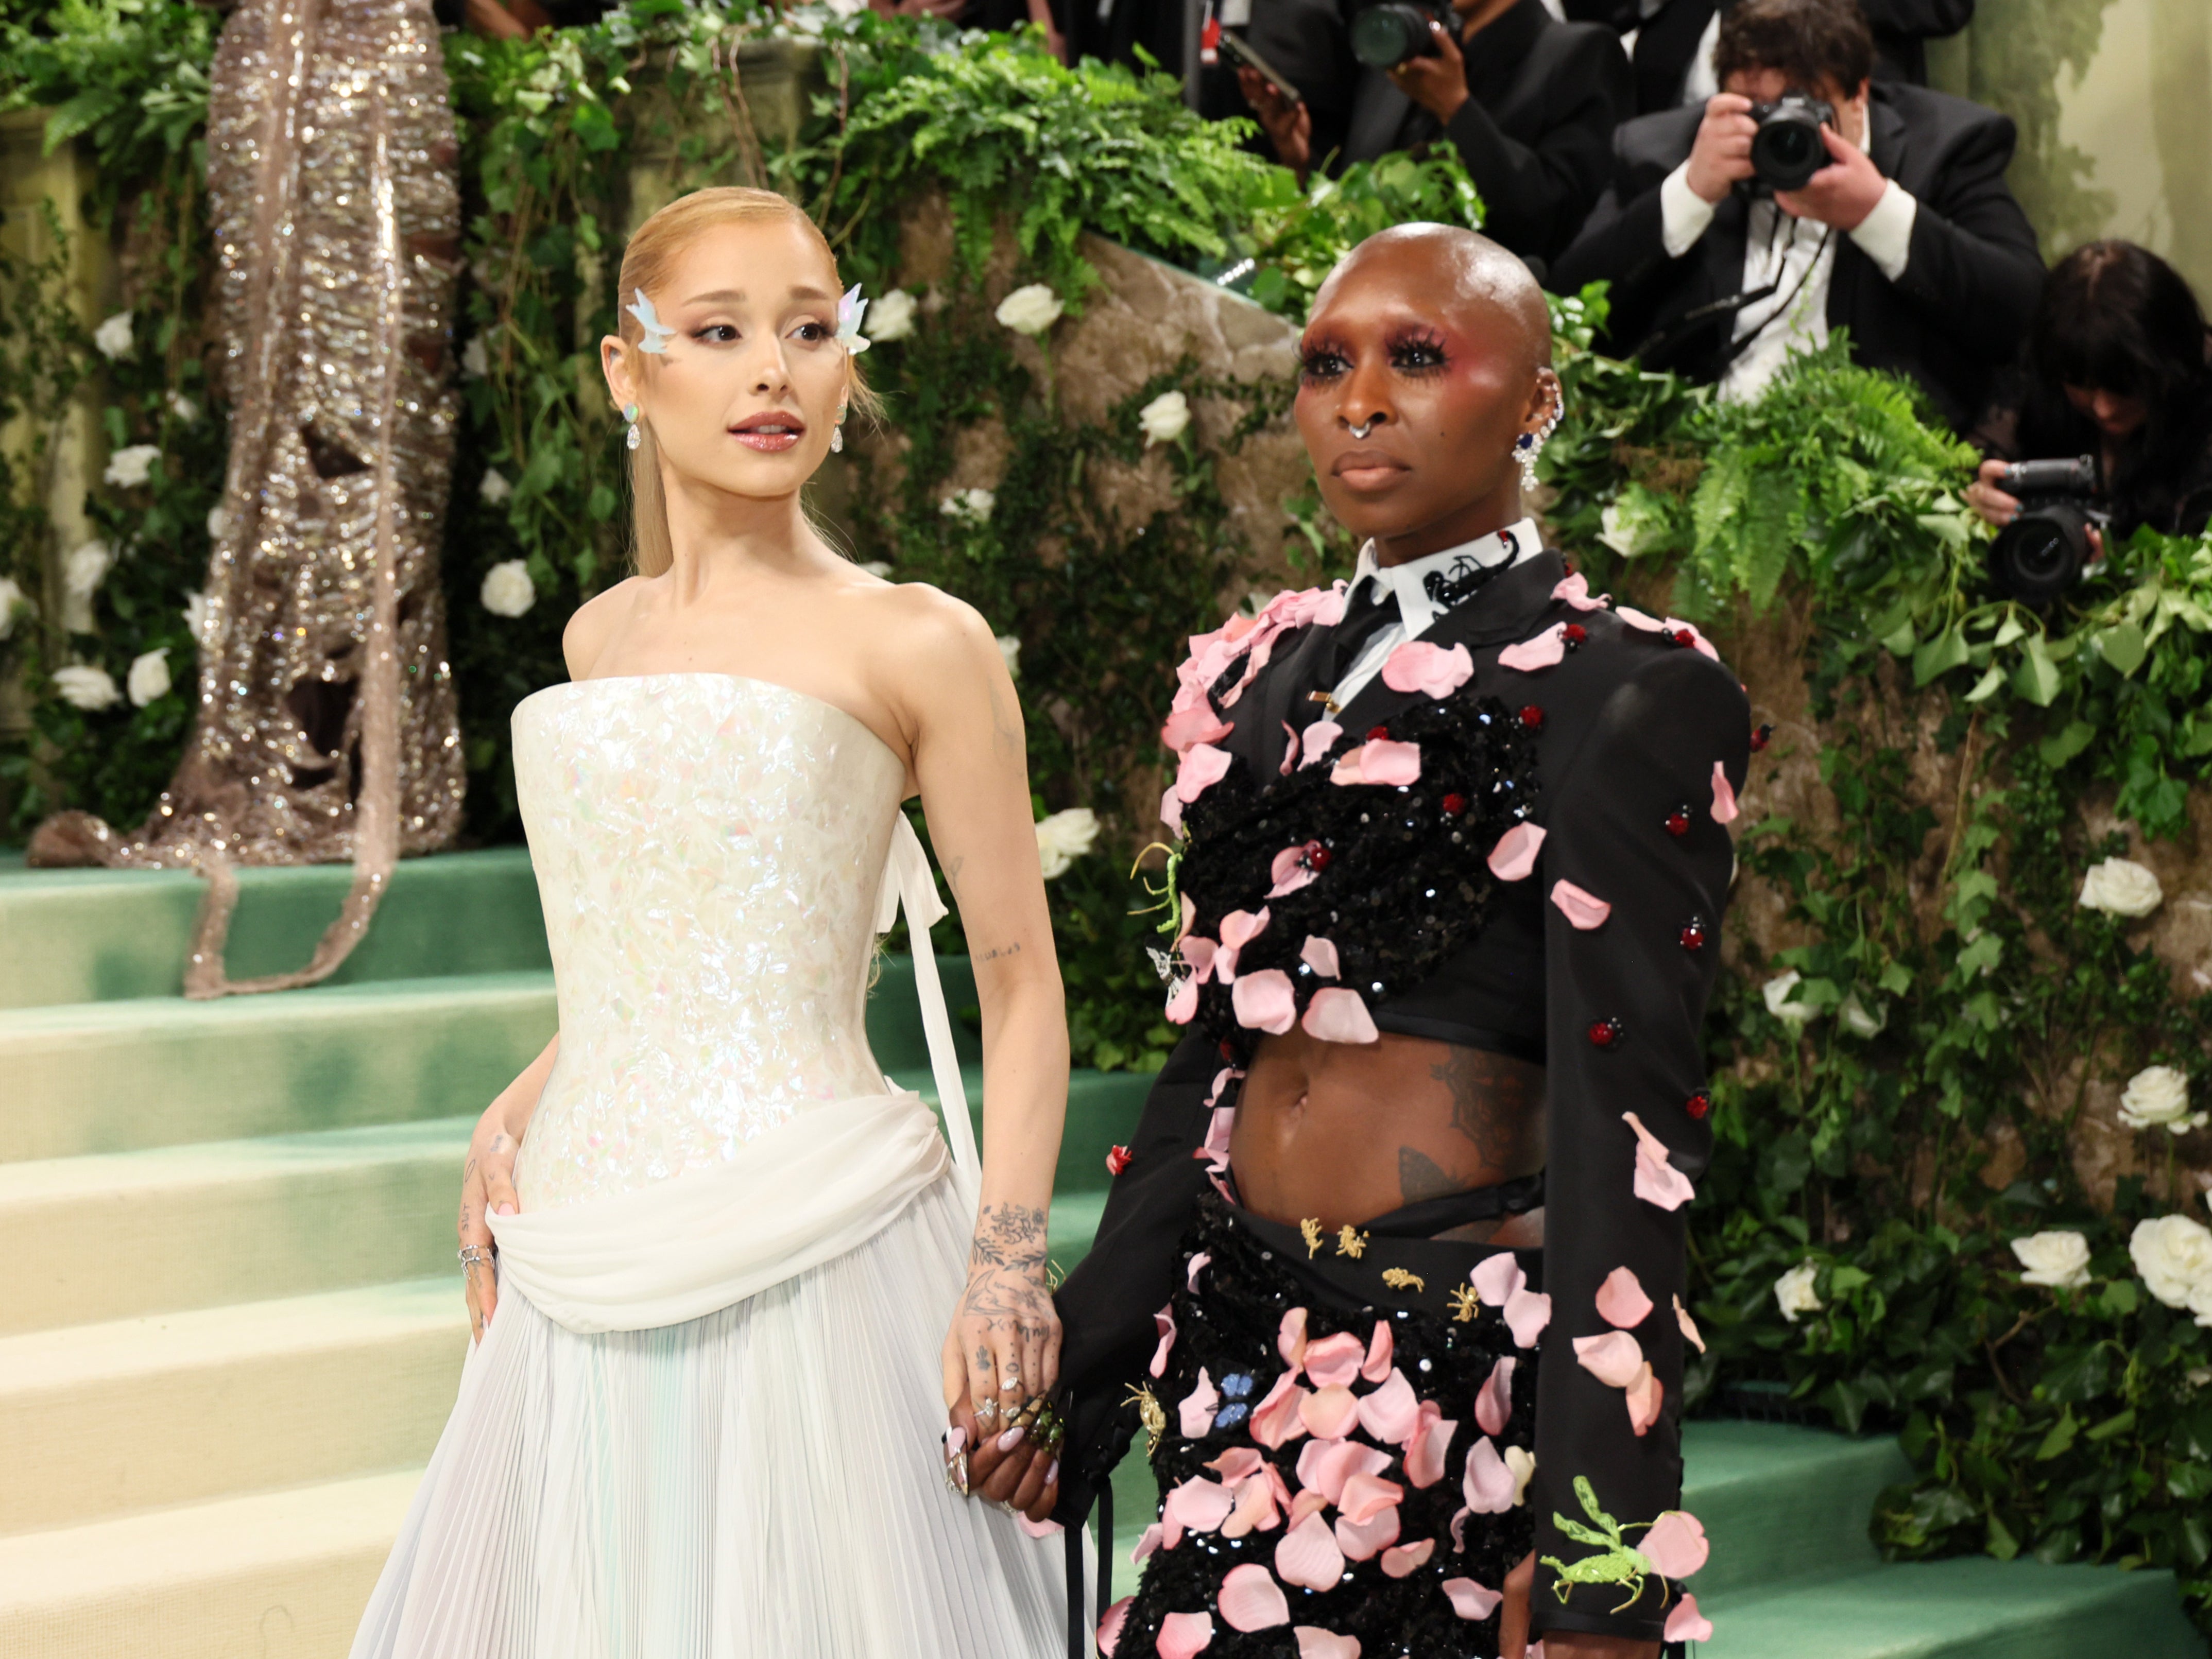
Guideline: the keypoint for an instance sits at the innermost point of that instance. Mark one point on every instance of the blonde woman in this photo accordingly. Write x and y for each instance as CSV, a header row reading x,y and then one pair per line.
x,y
710,1249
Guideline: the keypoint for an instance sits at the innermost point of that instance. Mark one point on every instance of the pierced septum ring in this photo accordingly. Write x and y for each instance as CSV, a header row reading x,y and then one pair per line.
x,y
1359,433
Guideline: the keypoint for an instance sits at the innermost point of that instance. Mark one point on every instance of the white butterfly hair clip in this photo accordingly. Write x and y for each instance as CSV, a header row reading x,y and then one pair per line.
x,y
850,311
658,334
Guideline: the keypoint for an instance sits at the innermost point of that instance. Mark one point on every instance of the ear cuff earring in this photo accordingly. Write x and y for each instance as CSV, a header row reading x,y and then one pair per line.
x,y
630,440
1529,445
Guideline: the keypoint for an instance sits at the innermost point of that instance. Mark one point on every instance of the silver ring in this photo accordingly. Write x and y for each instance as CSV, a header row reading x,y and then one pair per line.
x,y
988,1411
1359,433
473,1254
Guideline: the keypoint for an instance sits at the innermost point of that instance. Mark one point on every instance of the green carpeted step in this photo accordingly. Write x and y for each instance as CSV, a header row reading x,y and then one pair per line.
x,y
111,935
1783,1501
107,1077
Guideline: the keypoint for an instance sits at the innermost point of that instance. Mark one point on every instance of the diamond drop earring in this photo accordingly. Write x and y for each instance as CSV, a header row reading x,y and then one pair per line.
x,y
630,440
838,433
1529,445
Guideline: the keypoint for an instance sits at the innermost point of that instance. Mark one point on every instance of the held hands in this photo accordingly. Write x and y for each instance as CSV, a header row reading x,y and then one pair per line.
x,y
1001,1361
487,1186
1842,193
1287,123
1438,84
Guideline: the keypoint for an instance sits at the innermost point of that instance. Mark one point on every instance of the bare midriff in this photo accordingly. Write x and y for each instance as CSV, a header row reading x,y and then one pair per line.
x,y
1343,1132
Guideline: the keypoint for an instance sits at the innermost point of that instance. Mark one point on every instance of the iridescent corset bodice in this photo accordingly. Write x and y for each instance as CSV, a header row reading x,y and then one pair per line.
x,y
708,851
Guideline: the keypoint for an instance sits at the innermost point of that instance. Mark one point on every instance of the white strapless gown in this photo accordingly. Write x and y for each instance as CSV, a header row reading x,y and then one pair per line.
x,y
704,1423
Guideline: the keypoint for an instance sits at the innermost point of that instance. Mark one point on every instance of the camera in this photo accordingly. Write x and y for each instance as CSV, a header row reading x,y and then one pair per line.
x,y
1393,32
1786,151
2043,552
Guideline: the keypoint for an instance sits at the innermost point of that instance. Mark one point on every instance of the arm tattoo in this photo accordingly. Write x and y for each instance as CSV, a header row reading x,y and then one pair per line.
x,y
999,951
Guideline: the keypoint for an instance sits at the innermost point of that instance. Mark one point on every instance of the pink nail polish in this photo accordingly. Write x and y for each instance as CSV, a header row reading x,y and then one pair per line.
x,y
1052,1472
1011,1438
956,1441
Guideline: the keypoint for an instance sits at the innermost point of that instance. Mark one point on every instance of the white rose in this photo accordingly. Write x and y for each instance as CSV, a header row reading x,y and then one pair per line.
x,y
1009,648
1777,992
1164,419
892,317
971,506
2121,887
2200,1301
90,689
507,590
494,489
1794,1291
473,362
2174,1256
1064,837
131,467
197,613
1614,532
85,567
11,599
1858,1021
183,407
1029,310
218,521
2059,1261
113,338
2157,1097
149,677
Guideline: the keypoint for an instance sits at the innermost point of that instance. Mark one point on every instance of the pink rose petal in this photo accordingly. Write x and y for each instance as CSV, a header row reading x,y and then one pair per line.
x,y
1525,1315
1320,955
1319,737
1171,810
1380,1346
1185,1635
1289,872
1149,1542
1238,929
1686,1624
1196,724
1417,665
1514,857
1200,953
1197,1506
1196,1411
1336,1015
1392,1412
1325,1466
1546,650
1497,1276
1330,1413
1290,1339
1314,1643
1239,1464
1264,1001
1191,1272
1400,1560
1621,1301
1724,796
1362,1541
1109,1627
1250,1598
1575,590
1203,766
1307,1555
1432,1439
1276,1419
1613,1358
1635,618
1657,1181
1164,1322
1689,1325
1182,1001
1333,1360
1469,1599
1493,1405
1366,1496
1583,909
1487,1483
1645,1396
1698,642
1255,1511
1305,1503
1379,760
1676,1544
1290,749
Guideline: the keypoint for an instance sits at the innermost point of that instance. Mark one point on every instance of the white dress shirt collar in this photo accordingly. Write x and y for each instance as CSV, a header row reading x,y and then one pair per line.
x,y
1417,610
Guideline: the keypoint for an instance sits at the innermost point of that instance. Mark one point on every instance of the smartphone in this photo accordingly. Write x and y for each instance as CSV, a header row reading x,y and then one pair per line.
x,y
1238,48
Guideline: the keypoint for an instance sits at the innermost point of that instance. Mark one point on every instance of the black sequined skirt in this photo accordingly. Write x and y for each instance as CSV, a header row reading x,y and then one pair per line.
x,y
1420,1547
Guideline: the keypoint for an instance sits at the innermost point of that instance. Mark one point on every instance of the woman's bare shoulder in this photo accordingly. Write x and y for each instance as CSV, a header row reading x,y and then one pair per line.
x,y
595,623
922,629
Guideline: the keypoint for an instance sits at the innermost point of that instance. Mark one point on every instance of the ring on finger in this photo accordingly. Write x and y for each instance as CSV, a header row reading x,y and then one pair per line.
x,y
988,1411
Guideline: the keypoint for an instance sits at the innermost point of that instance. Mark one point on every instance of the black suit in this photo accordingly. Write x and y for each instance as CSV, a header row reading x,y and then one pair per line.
x,y
1633,730
1951,321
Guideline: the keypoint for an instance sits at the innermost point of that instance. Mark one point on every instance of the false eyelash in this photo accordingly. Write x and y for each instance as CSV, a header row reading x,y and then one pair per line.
x,y
1422,339
1309,356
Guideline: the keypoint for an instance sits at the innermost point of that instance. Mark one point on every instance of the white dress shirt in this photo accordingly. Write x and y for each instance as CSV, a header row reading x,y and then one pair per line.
x,y
1798,257
1417,612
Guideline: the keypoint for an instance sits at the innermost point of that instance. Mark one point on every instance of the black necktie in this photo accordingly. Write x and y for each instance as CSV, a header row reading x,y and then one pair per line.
x,y
1365,617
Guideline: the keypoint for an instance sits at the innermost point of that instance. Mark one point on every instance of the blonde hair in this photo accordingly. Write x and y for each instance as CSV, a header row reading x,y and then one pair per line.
x,y
653,250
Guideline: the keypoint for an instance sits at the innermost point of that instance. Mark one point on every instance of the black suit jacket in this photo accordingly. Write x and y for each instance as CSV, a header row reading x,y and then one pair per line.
x,y
1536,132
1633,728
1952,321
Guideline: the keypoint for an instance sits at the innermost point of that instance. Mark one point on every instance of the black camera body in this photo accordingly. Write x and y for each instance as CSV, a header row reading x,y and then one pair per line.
x,y
2043,552
1787,151
1394,31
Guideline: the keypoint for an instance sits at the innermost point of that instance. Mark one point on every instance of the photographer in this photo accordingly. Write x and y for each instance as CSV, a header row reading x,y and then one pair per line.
x,y
1907,236
1529,103
2118,367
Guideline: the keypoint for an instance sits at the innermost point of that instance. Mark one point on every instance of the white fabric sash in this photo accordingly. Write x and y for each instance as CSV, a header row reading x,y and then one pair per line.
x,y
820,1184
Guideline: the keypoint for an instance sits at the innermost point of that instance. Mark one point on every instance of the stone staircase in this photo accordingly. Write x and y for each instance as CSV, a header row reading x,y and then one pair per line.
x,y
231,1325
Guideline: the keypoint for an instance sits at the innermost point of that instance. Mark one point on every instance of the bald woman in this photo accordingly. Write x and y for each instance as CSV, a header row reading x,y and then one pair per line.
x,y
1395,1273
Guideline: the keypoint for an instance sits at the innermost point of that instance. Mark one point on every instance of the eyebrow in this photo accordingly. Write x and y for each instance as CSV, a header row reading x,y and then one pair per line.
x,y
736,295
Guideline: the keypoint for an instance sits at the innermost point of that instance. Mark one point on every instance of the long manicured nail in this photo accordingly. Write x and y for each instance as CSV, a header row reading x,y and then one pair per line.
x,y
1052,1472
955,1475
504,1209
1011,1438
956,1441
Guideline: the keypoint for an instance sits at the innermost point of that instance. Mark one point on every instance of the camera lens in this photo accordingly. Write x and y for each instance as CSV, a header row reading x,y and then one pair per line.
x,y
1787,150
2041,554
1385,36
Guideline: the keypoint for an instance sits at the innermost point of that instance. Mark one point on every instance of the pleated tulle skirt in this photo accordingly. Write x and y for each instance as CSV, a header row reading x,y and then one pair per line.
x,y
763,1482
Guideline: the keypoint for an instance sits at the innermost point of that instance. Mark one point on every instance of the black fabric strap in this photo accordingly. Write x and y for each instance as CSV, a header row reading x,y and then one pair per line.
x,y
1071,1541
1432,1216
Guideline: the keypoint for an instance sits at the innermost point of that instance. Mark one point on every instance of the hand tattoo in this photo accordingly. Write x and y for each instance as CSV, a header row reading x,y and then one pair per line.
x,y
1006,1273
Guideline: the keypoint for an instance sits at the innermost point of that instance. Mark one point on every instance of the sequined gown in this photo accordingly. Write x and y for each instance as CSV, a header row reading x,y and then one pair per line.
x,y
762,1480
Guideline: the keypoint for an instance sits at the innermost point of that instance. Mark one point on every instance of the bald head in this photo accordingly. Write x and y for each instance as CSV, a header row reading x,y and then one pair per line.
x,y
1486,291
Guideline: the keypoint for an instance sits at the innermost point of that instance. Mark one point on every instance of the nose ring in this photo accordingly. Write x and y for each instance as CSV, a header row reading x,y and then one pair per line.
x,y
1360,433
